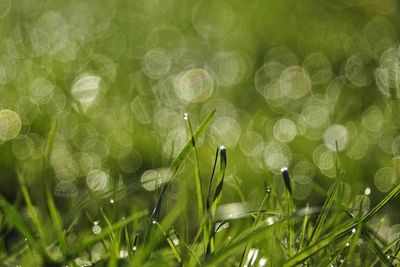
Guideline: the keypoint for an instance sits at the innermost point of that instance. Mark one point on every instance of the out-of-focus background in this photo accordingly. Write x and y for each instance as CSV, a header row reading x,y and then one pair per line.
x,y
287,79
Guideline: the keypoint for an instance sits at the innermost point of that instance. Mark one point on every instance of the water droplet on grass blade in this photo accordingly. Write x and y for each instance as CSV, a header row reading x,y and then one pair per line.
x,y
10,125
367,191
96,229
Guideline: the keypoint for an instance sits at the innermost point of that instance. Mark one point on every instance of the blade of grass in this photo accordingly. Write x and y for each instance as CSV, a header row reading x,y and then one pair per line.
x,y
289,210
14,219
373,246
327,204
250,235
304,231
28,201
170,242
256,220
197,176
216,199
175,166
341,231
51,206
91,240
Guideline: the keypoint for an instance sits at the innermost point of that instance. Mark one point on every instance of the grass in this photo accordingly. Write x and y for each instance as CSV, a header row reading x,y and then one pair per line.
x,y
276,233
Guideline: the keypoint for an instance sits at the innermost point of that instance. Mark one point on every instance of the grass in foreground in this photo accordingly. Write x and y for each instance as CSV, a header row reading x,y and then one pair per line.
x,y
193,231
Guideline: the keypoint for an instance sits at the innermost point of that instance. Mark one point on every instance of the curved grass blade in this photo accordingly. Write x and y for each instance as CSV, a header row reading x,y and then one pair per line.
x,y
341,231
197,176
289,209
332,193
170,242
373,246
256,220
51,206
13,219
91,240
216,199
175,166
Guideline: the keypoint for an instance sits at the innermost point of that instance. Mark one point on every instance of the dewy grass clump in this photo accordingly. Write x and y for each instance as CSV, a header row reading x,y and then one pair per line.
x,y
287,155
275,233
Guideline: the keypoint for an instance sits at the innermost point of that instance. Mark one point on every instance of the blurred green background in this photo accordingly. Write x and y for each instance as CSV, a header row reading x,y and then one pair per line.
x,y
287,79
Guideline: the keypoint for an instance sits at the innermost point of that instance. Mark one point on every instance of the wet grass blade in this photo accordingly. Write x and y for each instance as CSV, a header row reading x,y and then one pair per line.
x,y
373,246
251,235
327,205
175,166
51,206
209,192
216,199
197,176
91,240
304,230
170,242
289,209
256,220
341,231
14,219
28,201
177,163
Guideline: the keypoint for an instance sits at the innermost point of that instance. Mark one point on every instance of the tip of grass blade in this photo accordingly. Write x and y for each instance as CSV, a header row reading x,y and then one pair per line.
x,y
286,179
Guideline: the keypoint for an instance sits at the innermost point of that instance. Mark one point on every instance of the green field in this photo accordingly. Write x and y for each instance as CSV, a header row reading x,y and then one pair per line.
x,y
199,133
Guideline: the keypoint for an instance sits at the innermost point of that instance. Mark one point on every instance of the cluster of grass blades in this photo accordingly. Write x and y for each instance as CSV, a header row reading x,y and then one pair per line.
x,y
276,233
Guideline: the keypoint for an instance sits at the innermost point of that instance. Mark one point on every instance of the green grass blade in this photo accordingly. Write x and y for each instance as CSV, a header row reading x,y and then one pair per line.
x,y
175,166
208,201
197,176
327,205
170,242
216,199
14,219
177,163
341,231
51,206
373,246
91,240
256,220
392,194
28,201
239,243
289,209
